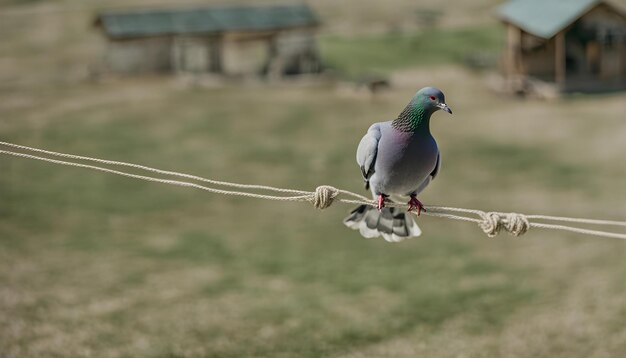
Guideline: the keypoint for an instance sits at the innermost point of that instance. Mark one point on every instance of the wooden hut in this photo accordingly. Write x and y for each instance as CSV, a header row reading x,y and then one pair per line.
x,y
232,40
578,45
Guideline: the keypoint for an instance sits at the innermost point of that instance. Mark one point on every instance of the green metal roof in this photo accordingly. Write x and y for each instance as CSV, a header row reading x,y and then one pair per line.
x,y
544,18
142,23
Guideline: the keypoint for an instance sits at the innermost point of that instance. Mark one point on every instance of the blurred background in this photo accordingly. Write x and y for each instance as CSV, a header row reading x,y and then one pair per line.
x,y
279,93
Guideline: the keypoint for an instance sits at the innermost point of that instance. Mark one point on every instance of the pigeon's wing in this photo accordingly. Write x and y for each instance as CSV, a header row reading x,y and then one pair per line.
x,y
435,171
367,150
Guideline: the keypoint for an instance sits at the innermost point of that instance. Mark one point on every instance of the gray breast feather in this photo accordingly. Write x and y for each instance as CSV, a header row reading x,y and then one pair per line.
x,y
432,175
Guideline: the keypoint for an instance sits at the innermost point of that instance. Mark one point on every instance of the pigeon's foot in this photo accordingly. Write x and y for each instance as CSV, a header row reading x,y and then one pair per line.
x,y
415,204
381,202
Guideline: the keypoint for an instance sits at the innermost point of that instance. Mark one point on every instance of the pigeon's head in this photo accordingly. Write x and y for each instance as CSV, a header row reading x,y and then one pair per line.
x,y
431,99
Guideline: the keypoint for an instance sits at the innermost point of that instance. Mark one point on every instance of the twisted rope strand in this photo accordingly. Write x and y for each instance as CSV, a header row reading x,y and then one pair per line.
x,y
304,197
324,196
154,170
577,220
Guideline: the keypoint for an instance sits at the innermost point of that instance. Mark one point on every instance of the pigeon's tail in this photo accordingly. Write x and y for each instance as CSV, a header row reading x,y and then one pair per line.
x,y
392,223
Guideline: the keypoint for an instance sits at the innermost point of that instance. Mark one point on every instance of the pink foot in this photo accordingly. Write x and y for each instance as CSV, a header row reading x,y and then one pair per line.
x,y
415,204
381,202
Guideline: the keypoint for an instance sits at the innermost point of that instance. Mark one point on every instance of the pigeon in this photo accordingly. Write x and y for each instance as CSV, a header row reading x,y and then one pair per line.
x,y
398,159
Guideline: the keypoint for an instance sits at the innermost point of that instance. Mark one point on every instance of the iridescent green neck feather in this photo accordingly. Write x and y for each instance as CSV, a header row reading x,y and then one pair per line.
x,y
414,118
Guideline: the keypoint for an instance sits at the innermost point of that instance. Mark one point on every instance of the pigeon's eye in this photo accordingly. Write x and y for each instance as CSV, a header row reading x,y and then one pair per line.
x,y
432,98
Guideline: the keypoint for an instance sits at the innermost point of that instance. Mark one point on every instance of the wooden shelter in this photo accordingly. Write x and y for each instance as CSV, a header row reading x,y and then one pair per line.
x,y
579,45
232,40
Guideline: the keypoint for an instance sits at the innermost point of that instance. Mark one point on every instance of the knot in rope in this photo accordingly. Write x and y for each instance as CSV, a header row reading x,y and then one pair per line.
x,y
515,224
324,196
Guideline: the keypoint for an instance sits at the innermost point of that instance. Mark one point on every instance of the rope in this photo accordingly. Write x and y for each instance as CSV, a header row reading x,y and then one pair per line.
x,y
492,223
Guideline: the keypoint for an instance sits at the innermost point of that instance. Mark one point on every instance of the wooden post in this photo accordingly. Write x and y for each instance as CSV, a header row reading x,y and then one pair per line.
x,y
559,59
176,55
514,39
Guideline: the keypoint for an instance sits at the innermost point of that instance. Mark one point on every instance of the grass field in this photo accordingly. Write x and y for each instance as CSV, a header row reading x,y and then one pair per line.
x,y
97,265
370,54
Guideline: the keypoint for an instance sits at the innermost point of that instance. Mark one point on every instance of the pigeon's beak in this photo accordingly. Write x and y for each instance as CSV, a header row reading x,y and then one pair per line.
x,y
444,107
